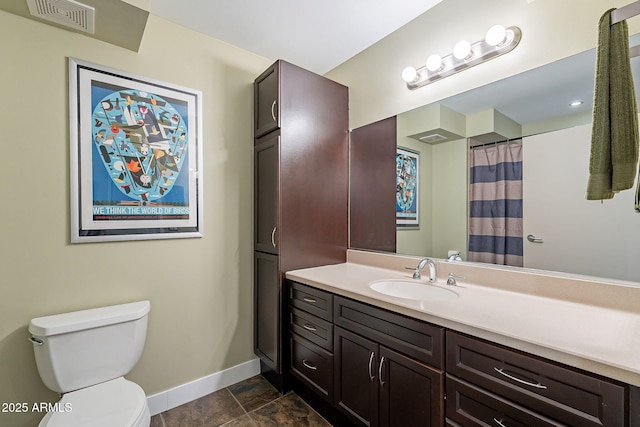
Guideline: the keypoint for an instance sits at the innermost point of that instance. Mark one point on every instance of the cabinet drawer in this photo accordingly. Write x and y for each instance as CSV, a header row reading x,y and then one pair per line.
x,y
311,300
560,393
420,340
312,365
311,327
471,406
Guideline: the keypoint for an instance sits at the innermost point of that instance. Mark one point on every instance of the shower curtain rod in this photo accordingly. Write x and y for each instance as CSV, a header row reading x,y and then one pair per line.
x,y
479,144
625,12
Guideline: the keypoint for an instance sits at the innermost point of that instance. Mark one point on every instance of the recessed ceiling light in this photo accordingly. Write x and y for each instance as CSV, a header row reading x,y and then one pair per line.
x,y
576,103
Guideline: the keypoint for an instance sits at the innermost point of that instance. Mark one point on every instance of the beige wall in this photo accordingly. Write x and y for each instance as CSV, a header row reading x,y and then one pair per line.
x,y
409,240
552,29
200,289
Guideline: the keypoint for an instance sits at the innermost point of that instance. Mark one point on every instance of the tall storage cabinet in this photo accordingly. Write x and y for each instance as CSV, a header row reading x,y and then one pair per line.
x,y
301,193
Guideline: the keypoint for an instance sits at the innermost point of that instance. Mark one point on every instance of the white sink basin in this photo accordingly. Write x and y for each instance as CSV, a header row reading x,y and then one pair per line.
x,y
412,290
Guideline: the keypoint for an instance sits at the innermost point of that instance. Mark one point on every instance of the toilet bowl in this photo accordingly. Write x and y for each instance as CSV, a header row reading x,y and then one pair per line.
x,y
84,355
113,403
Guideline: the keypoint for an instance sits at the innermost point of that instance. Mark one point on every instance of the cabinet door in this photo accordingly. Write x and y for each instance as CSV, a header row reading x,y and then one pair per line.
x,y
267,309
373,165
411,393
266,101
355,370
266,193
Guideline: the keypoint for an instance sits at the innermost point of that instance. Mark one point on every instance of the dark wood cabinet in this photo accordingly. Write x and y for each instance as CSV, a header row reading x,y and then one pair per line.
x,y
266,105
355,372
472,406
266,193
383,374
311,338
520,386
411,392
381,387
301,193
373,166
267,338
380,368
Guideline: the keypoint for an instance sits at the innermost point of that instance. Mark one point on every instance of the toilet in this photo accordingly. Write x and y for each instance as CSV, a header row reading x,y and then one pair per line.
x,y
84,355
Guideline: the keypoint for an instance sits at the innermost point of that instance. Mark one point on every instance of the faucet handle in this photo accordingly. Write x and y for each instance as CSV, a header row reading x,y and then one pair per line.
x,y
451,281
416,271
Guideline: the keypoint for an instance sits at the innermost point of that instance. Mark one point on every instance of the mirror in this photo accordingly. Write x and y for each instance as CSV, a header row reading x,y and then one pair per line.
x,y
597,239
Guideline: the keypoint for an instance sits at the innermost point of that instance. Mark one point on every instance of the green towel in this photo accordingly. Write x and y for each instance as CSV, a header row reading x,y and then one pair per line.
x,y
614,139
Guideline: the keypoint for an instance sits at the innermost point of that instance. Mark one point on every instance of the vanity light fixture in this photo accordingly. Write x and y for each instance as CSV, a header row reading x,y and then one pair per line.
x,y
498,41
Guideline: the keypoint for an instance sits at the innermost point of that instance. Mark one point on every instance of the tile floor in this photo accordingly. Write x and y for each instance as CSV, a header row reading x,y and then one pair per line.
x,y
252,403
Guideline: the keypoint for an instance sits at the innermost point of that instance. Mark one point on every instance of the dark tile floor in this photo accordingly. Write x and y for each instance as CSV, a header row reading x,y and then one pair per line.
x,y
253,403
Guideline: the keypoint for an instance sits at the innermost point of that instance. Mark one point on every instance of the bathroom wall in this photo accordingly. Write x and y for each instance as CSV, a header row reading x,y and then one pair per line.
x,y
551,30
443,213
200,289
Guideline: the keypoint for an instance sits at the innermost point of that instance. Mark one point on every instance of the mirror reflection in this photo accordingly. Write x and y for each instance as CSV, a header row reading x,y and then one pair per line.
x,y
548,110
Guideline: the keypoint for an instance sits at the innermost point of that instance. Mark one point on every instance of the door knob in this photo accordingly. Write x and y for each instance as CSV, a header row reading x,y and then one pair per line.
x,y
534,239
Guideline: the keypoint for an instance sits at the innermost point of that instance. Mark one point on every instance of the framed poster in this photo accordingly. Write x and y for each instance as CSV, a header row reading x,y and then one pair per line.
x,y
407,188
136,156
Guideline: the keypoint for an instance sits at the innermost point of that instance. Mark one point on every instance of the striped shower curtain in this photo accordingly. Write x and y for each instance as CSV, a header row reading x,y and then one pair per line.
x,y
495,197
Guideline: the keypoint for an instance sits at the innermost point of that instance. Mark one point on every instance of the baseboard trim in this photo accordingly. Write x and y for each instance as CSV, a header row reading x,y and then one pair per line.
x,y
192,390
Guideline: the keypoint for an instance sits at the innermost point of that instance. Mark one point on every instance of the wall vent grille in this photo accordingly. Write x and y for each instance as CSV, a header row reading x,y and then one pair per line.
x,y
69,13
435,137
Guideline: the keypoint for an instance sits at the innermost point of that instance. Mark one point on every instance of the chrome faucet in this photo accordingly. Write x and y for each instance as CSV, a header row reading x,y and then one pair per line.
x,y
421,265
454,256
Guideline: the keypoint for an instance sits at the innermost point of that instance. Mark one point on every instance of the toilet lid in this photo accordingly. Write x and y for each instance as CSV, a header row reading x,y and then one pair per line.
x,y
113,403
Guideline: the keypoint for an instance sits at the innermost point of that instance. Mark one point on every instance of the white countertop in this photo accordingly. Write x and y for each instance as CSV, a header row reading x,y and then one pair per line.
x,y
591,332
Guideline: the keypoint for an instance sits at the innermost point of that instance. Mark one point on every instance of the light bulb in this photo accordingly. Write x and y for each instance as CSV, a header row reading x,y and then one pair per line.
x,y
462,49
434,62
496,35
409,74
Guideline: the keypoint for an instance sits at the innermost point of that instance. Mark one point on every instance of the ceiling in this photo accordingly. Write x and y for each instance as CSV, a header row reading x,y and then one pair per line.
x,y
316,35
322,35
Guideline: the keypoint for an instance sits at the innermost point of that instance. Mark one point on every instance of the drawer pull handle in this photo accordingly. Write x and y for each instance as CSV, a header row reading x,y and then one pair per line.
x,y
309,327
309,365
273,237
273,110
499,422
511,377
309,300
380,372
371,376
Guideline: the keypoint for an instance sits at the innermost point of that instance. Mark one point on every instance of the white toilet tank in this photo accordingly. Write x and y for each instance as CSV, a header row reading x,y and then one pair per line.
x,y
83,348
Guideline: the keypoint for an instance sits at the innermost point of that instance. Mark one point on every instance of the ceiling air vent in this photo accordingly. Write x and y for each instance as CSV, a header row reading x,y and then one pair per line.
x,y
433,138
65,12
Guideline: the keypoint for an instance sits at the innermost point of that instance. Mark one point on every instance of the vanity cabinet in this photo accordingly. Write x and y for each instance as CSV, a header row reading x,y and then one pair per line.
x,y
300,193
311,338
488,384
380,368
376,367
387,367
